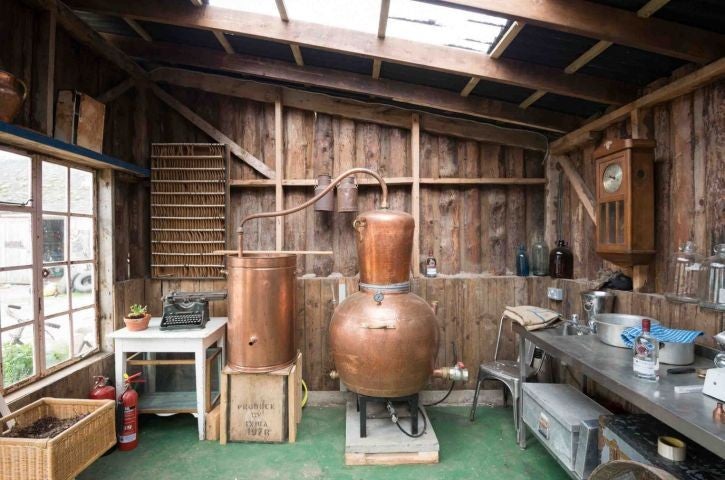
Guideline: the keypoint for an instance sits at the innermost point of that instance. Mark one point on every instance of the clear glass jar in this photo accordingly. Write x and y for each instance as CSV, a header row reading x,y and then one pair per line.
x,y
685,267
712,280
539,259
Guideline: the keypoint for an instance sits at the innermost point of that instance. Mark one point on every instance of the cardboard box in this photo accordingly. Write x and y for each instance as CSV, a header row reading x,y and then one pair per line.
x,y
79,119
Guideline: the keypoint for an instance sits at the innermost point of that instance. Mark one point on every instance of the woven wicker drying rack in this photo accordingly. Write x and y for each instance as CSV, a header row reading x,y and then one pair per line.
x,y
189,199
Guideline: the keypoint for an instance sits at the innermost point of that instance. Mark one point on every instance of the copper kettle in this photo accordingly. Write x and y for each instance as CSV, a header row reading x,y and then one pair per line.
x,y
10,97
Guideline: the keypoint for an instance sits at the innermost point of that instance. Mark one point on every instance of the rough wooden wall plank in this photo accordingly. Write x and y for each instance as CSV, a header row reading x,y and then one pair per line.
x,y
515,206
319,231
714,140
682,171
468,154
450,209
313,334
343,246
493,210
328,294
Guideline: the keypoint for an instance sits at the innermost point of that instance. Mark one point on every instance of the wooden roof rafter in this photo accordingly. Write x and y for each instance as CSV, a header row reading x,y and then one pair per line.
x,y
349,42
595,50
87,36
603,22
428,97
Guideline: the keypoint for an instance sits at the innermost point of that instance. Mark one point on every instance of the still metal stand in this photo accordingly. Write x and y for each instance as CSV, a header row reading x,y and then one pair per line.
x,y
362,402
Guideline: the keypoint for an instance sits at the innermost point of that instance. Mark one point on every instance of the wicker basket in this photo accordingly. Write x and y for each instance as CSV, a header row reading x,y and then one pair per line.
x,y
629,470
66,455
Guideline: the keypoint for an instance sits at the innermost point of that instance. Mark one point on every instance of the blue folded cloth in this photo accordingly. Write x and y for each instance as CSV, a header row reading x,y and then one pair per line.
x,y
663,334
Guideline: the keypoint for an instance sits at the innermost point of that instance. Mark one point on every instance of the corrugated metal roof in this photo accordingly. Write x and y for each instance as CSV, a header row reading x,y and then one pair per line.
x,y
326,59
422,76
106,24
705,14
260,48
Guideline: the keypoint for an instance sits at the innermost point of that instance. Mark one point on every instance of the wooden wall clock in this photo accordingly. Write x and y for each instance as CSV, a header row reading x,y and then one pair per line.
x,y
625,201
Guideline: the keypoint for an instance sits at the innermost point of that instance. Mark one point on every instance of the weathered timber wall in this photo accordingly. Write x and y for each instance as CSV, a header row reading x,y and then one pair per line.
x,y
689,181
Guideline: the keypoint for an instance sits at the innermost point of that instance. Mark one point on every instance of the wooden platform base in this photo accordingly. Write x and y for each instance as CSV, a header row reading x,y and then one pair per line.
x,y
385,444
403,458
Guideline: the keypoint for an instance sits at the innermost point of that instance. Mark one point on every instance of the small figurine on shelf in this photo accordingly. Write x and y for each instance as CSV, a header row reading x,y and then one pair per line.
x,y
431,265
522,262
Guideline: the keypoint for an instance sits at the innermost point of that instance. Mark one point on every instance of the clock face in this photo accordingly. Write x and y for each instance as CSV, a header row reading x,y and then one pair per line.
x,y
612,179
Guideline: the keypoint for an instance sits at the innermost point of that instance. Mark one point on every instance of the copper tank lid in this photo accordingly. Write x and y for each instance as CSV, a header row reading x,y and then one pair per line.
x,y
384,246
263,260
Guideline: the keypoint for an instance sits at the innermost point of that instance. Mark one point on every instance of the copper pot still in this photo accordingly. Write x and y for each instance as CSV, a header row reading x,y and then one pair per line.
x,y
384,339
11,98
261,300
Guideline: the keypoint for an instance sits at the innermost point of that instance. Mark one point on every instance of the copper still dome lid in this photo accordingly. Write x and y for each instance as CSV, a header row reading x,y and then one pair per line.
x,y
384,244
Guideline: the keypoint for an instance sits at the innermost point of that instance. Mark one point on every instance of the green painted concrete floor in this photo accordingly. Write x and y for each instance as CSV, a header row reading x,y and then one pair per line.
x,y
486,449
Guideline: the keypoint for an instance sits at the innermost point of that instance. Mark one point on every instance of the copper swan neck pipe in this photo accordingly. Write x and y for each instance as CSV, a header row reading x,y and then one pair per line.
x,y
352,171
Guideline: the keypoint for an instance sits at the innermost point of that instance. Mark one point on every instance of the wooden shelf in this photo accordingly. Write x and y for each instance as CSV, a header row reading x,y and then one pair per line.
x,y
310,182
34,142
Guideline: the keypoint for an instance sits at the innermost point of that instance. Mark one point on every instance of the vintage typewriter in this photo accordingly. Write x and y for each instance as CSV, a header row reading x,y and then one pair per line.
x,y
186,310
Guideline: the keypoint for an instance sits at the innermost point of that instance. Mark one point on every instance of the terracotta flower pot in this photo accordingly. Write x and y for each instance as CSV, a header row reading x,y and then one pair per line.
x,y
137,324
11,98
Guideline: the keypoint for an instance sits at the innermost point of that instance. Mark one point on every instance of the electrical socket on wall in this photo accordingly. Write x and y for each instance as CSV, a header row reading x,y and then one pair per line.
x,y
555,294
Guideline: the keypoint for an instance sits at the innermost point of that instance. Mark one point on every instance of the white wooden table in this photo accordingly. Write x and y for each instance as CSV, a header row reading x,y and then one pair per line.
x,y
153,340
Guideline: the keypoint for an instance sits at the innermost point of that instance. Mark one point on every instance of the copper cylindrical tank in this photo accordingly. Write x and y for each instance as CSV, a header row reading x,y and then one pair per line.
x,y
384,245
384,339
261,300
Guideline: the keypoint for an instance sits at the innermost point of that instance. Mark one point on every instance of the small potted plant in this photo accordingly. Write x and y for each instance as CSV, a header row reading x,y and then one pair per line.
x,y
138,318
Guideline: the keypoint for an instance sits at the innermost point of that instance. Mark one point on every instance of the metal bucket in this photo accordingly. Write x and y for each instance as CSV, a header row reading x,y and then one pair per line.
x,y
326,203
261,301
596,301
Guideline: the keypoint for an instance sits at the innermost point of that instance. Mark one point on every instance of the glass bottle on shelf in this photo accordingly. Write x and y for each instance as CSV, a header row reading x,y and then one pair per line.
x,y
539,258
712,280
685,268
646,350
522,262
431,265
561,261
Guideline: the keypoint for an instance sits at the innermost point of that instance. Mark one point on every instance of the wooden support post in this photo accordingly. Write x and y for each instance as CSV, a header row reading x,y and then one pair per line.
x,y
415,195
551,207
105,217
42,88
577,183
279,168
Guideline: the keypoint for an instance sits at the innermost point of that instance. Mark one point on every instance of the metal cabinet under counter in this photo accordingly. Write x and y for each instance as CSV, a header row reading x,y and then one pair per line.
x,y
688,413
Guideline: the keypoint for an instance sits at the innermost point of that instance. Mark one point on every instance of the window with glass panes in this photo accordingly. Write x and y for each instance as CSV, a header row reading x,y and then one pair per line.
x,y
48,314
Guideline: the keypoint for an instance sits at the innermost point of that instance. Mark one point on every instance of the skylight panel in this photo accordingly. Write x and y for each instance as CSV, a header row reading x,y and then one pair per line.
x,y
359,15
445,26
264,7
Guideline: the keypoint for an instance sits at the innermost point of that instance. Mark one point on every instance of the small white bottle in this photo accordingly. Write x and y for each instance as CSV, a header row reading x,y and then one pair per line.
x,y
646,349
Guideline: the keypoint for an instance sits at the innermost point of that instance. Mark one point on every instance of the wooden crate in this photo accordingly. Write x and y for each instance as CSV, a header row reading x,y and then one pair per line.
x,y
79,119
261,407
66,455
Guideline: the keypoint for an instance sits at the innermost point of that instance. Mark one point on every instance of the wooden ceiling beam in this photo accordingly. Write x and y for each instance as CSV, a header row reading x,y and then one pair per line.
x,y
595,50
682,86
602,22
506,39
344,81
282,9
138,29
297,54
222,39
79,30
396,50
377,65
317,102
383,21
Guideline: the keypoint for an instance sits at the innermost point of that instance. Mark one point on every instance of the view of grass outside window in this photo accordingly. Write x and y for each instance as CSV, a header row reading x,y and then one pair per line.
x,y
47,286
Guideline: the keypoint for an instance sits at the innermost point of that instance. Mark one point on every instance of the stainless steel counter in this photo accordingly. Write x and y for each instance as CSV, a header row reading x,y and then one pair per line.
x,y
688,413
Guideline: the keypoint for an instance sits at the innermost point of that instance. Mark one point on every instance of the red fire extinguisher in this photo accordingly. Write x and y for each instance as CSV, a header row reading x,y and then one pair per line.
x,y
127,406
102,390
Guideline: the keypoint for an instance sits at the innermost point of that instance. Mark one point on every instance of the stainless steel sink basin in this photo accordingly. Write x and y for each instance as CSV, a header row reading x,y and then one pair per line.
x,y
568,329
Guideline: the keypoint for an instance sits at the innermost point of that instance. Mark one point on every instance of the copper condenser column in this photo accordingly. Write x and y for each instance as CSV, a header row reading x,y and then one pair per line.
x,y
261,299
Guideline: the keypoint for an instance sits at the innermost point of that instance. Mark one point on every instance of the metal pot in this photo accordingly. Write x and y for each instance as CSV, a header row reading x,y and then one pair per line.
x,y
609,327
595,302
677,353
10,97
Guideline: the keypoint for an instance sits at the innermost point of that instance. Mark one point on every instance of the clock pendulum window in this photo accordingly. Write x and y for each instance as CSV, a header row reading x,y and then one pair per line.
x,y
625,201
